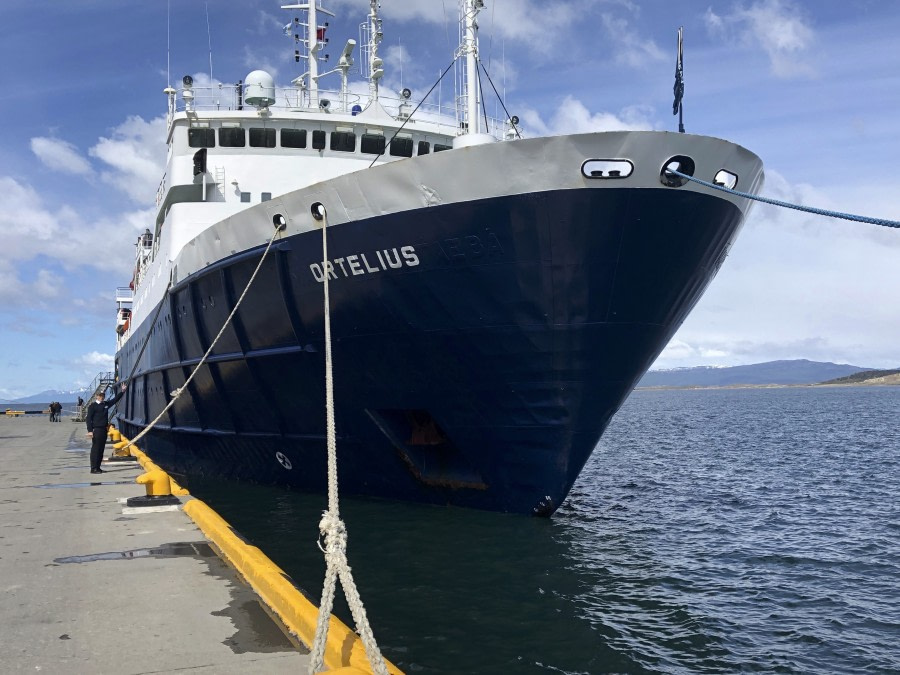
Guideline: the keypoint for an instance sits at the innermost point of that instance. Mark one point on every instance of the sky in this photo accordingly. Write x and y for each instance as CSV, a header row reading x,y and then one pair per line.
x,y
813,88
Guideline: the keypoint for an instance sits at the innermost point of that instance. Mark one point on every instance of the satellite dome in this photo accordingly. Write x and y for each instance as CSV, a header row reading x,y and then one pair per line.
x,y
259,89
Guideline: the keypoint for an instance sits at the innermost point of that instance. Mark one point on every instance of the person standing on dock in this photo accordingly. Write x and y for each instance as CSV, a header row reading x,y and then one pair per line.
x,y
97,420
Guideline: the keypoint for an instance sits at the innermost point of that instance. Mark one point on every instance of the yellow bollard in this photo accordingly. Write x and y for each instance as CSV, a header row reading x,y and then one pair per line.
x,y
120,449
156,483
158,487
120,453
114,435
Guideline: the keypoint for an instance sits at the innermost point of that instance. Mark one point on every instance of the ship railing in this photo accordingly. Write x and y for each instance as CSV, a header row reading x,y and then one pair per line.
x,y
225,98
124,294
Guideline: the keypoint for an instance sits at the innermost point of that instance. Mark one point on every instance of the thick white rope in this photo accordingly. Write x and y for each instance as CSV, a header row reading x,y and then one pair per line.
x,y
331,527
177,392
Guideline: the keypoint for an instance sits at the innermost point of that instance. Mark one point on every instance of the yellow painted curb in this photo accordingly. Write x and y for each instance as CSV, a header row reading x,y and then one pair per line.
x,y
344,650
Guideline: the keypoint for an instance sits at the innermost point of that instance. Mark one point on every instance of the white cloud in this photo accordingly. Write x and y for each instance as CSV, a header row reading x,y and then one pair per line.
x,y
28,228
572,116
47,285
513,19
778,27
136,155
95,361
630,48
60,155
256,60
798,285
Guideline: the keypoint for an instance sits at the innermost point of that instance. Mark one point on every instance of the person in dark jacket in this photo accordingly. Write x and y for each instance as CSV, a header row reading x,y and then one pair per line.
x,y
97,420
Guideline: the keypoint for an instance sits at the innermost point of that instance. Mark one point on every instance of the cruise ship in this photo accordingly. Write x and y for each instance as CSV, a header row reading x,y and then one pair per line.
x,y
494,297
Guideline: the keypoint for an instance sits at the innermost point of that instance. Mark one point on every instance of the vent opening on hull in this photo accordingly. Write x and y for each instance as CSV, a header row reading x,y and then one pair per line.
x,y
426,449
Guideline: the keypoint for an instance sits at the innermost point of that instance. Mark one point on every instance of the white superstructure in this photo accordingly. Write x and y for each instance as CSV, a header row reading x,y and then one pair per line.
x,y
231,147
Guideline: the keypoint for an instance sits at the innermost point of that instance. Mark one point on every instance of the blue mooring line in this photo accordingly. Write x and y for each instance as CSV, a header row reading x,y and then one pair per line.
x,y
797,207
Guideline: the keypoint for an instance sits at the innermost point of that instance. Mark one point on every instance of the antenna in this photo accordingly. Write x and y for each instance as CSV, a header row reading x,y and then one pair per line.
x,y
209,41
168,44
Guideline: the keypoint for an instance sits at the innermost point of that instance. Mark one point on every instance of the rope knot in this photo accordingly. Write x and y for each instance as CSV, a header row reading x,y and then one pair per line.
x,y
333,530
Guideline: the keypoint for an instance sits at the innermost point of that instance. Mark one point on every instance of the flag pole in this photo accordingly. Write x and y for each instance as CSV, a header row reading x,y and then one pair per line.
x,y
677,106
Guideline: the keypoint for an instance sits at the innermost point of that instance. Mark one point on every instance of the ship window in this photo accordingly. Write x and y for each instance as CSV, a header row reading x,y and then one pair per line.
x,y
265,196
262,138
371,144
440,148
343,141
232,137
245,196
294,138
401,147
318,141
424,147
202,138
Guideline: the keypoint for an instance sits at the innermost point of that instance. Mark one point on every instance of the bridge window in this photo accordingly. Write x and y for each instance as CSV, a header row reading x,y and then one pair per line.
x,y
294,138
343,141
402,147
424,148
318,140
440,148
199,137
372,144
232,137
262,138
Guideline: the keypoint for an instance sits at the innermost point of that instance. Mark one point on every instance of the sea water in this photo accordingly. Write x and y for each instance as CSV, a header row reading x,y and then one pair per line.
x,y
712,531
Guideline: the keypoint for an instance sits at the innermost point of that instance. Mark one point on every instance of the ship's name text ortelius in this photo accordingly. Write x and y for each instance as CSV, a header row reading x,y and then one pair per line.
x,y
365,263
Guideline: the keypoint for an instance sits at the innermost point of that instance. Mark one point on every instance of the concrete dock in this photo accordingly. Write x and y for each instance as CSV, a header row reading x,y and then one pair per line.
x,y
86,588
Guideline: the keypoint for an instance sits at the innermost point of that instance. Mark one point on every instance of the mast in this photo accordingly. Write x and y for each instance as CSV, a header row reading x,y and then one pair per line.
x,y
312,36
472,132
313,44
470,49
376,64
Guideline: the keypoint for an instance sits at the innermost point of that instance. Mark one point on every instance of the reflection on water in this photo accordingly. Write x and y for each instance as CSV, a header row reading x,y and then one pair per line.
x,y
711,532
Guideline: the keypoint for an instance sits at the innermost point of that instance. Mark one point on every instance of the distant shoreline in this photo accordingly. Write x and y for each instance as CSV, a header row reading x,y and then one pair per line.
x,y
768,386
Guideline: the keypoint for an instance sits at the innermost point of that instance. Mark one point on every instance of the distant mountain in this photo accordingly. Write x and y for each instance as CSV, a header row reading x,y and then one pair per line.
x,y
53,395
799,371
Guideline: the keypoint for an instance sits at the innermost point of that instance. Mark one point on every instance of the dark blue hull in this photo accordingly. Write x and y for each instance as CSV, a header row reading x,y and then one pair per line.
x,y
480,349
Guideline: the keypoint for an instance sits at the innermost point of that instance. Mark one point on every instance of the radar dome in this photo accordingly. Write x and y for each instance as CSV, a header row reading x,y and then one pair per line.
x,y
259,89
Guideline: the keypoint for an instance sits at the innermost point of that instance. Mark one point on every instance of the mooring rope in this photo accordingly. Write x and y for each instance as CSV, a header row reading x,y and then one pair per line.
x,y
331,527
797,207
177,392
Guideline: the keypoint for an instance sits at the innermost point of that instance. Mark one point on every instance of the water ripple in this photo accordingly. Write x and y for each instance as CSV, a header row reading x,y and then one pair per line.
x,y
711,532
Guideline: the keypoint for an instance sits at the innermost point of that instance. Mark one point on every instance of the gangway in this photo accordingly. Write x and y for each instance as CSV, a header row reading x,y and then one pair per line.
x,y
104,380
